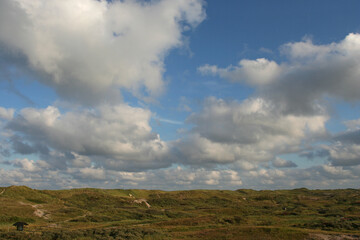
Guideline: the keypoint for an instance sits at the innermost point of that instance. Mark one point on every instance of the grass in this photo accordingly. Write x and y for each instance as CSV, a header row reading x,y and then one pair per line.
x,y
198,214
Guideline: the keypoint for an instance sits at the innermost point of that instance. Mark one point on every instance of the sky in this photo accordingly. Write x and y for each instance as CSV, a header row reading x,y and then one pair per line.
x,y
180,94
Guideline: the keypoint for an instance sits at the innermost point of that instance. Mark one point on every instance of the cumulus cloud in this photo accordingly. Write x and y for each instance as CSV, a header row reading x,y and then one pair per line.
x,y
311,72
254,130
119,137
287,114
353,124
202,177
33,173
343,149
29,165
321,176
352,136
314,177
6,114
344,153
88,50
92,173
254,72
282,163
335,172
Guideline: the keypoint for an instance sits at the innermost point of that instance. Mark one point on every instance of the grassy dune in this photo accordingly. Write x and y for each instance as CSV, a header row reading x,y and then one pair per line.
x,y
197,214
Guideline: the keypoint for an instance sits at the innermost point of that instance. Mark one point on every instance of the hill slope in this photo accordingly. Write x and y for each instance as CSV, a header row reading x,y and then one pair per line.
x,y
206,214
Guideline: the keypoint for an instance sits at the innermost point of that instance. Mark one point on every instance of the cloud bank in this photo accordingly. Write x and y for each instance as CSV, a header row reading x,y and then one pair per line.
x,y
88,50
250,131
118,137
311,73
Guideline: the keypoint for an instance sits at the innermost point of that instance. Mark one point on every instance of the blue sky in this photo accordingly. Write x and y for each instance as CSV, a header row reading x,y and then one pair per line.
x,y
180,94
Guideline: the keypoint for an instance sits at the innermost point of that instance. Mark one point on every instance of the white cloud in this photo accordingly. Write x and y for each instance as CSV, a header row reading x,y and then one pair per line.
x,y
300,84
87,49
80,160
353,124
287,114
344,147
282,163
26,164
351,152
6,114
316,71
187,177
254,72
322,176
115,136
335,172
92,173
344,154
208,69
198,150
307,50
132,177
251,131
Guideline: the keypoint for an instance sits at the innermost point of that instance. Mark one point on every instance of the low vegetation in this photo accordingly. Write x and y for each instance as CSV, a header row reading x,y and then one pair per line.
x,y
197,214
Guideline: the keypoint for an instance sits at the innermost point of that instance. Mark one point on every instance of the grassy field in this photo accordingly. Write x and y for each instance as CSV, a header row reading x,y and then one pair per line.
x,y
197,214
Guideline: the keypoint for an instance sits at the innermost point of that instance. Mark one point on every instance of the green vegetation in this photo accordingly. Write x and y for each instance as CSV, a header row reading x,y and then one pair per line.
x,y
197,214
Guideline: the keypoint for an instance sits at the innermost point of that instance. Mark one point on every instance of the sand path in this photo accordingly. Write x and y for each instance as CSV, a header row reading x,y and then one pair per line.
x,y
38,212
142,200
